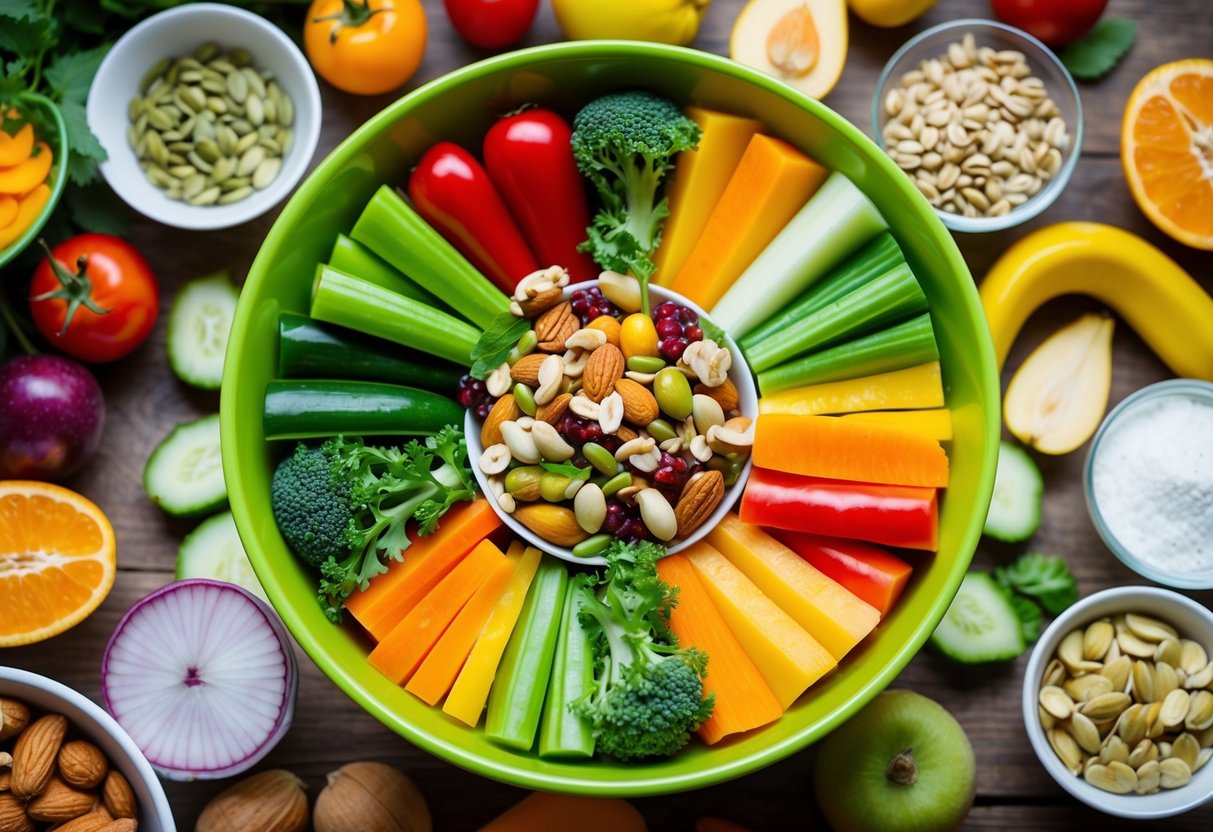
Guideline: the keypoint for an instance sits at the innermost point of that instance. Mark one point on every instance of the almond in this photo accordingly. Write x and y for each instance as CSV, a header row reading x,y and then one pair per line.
x,y
92,822
12,815
725,394
6,779
639,405
554,411
504,410
555,524
699,499
119,797
542,302
526,370
14,716
604,367
554,326
119,825
272,801
59,802
34,755
82,764
626,434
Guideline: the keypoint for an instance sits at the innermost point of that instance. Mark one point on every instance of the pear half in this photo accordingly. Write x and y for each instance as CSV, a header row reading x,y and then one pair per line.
x,y
1057,398
800,42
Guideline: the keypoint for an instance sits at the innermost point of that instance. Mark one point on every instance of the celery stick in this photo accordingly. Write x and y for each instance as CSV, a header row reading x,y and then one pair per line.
x,y
832,224
905,345
892,297
352,302
352,257
564,734
871,261
393,230
516,699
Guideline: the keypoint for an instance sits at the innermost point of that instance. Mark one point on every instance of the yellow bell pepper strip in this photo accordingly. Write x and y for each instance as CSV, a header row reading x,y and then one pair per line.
x,y
935,423
913,388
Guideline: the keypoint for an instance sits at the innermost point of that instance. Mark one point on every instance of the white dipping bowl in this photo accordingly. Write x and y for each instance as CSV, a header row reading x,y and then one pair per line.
x,y
176,33
1192,620
88,720
747,394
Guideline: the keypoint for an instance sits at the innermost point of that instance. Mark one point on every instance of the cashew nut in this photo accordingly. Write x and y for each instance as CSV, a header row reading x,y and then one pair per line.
x,y
725,440
521,443
575,361
551,375
700,449
585,407
709,361
499,382
639,445
610,413
586,339
553,277
550,443
647,462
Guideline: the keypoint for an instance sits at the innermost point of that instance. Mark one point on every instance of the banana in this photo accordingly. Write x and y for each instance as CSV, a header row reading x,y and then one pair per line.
x,y
1161,301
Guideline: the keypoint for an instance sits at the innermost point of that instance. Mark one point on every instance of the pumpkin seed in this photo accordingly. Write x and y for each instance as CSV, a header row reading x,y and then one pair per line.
x,y
1085,688
1168,651
159,176
1066,749
267,172
208,149
223,169
159,119
235,195
247,140
1106,706
235,183
1174,773
1186,748
1142,753
1149,629
215,86
1113,749
1192,657
1143,682
1200,711
208,197
193,186
255,83
1200,680
1084,732
239,57
237,86
1175,708
1117,672
249,160
206,52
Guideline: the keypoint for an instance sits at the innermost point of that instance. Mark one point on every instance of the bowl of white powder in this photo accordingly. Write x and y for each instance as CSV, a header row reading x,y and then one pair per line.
x,y
1149,482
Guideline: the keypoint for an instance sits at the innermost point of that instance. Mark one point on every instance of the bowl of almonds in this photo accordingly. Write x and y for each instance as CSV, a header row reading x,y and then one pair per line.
x,y
605,422
65,764
1118,702
983,118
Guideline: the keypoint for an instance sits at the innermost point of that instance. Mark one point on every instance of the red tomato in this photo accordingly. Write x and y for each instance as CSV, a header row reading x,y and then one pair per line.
x,y
98,301
491,24
1056,22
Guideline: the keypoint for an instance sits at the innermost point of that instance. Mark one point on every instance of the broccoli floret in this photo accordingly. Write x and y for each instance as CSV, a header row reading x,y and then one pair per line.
x,y
344,505
625,143
649,692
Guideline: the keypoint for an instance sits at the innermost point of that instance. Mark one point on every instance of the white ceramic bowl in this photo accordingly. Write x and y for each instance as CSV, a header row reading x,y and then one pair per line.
x,y
90,721
748,406
174,33
1193,620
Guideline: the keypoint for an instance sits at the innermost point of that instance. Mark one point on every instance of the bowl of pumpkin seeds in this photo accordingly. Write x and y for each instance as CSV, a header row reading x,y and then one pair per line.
x,y
208,114
1118,702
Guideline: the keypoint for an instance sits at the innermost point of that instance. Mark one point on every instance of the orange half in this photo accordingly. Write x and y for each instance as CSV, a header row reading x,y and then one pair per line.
x,y
57,560
1166,145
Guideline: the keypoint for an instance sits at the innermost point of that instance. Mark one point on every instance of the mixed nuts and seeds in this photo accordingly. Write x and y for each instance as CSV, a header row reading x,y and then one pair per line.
x,y
49,780
975,130
210,128
606,422
1127,704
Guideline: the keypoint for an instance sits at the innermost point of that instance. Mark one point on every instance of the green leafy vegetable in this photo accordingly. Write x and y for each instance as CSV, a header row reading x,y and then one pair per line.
x,y
1097,53
495,343
1044,578
343,505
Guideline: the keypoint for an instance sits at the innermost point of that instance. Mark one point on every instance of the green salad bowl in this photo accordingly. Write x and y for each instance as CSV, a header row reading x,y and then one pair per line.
x,y
460,107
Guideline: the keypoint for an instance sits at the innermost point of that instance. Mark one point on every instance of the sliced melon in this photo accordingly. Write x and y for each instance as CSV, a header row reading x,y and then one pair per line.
x,y
801,42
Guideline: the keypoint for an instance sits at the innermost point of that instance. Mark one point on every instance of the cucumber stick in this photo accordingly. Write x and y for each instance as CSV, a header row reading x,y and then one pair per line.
x,y
981,625
394,231
184,474
352,257
213,550
564,734
339,298
1018,493
906,344
198,325
311,409
891,297
309,349
516,699
834,222
872,260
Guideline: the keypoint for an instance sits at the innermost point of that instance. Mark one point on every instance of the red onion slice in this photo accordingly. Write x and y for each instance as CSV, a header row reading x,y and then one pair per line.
x,y
202,676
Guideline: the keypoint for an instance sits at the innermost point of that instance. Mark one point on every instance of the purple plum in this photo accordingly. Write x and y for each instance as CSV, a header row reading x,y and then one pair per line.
x,y
51,415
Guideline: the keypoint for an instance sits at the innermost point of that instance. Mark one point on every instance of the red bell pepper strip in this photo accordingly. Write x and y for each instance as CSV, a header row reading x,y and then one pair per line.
x,y
530,159
454,194
873,574
896,515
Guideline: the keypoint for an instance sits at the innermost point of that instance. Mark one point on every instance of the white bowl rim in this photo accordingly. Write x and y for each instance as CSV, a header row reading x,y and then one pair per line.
x,y
1142,807
308,117
106,723
749,399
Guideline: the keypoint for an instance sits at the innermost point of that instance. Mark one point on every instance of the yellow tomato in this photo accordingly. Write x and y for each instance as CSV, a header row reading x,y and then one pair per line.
x,y
365,47
638,335
663,21
889,14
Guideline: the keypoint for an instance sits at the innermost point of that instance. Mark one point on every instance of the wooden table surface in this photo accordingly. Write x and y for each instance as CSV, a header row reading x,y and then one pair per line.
x,y
1013,792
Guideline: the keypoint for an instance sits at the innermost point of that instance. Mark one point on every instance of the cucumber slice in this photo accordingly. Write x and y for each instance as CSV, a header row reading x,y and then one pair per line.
x,y
981,625
1018,493
213,550
198,326
184,475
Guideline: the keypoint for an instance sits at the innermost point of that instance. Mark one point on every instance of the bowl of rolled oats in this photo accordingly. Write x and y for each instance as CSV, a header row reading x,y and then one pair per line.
x,y
983,118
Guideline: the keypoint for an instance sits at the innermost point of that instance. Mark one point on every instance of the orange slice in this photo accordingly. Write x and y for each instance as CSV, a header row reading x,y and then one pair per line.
x,y
57,560
1166,144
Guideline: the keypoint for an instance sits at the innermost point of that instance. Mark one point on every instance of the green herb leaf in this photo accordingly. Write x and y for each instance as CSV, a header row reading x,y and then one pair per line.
x,y
1045,578
1030,619
71,74
568,469
86,150
1094,55
710,330
495,344
21,10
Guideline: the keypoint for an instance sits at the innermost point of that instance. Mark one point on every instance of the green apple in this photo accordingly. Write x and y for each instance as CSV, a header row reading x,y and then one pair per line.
x,y
902,764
